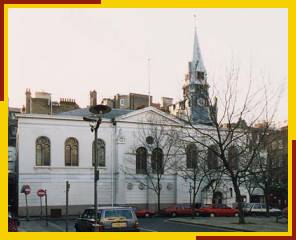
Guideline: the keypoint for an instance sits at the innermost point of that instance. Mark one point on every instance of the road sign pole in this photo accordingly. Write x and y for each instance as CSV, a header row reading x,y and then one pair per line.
x,y
40,207
67,203
27,210
46,216
26,190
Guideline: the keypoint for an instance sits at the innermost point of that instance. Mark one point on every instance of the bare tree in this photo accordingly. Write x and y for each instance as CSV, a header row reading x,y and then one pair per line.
x,y
195,168
155,152
266,170
230,131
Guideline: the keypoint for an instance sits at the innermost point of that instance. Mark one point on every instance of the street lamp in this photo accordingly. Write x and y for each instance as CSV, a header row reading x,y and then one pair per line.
x,y
96,118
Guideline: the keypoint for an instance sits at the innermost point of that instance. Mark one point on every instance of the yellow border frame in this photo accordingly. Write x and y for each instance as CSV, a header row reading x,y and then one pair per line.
x,y
144,4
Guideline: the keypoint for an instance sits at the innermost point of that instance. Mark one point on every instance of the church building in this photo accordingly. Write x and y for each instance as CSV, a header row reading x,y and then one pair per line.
x,y
53,149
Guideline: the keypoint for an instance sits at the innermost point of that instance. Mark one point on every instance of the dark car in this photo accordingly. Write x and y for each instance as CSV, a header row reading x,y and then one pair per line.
x,y
217,210
110,219
285,212
12,223
178,210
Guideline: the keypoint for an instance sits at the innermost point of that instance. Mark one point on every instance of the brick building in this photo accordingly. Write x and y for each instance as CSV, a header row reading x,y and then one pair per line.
x,y
42,103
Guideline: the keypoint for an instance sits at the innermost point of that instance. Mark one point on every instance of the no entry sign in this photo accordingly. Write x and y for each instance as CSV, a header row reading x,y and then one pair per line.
x,y
26,189
41,193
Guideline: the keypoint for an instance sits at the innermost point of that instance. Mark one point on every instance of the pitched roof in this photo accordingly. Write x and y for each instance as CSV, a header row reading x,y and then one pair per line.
x,y
85,112
197,61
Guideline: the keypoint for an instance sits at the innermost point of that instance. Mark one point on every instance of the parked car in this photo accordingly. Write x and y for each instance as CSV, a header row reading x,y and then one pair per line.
x,y
285,212
217,210
260,209
246,207
144,212
178,210
12,223
110,219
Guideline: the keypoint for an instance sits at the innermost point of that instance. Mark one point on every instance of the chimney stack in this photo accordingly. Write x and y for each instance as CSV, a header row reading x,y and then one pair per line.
x,y
28,100
93,98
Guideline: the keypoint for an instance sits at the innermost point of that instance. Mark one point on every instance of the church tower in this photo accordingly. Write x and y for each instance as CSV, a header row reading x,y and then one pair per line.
x,y
195,89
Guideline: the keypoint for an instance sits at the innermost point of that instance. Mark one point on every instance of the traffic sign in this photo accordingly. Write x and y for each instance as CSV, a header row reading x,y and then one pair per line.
x,y
41,193
26,189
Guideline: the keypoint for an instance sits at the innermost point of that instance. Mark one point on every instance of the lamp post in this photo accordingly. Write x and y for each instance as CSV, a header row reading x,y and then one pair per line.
x,y
190,188
190,191
96,119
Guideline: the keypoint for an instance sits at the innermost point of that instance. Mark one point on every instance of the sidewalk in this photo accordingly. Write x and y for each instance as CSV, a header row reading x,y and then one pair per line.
x,y
253,224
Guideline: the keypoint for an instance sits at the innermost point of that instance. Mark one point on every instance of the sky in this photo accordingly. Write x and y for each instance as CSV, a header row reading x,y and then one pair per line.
x,y
69,52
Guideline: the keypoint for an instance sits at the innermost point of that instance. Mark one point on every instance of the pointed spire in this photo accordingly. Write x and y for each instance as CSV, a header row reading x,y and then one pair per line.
x,y
197,61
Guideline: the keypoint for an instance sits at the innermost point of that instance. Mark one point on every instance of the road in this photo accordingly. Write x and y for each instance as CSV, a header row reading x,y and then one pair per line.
x,y
155,224
160,224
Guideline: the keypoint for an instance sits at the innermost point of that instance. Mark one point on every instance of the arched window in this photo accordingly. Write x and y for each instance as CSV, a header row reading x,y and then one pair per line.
x,y
42,151
100,153
71,152
233,157
191,156
141,160
212,157
157,161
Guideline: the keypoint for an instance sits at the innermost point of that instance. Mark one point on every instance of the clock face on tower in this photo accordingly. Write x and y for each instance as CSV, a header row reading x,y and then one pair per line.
x,y
201,102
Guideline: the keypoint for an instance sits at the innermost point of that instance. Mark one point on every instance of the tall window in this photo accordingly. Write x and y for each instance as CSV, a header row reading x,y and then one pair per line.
x,y
141,160
157,161
42,151
233,157
71,152
212,157
191,156
100,152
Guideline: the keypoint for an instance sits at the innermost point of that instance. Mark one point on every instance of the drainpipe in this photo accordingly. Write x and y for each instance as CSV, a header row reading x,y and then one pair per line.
x,y
176,187
114,158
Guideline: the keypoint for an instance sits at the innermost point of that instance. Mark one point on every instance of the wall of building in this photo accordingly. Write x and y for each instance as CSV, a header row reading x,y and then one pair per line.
x,y
115,185
53,177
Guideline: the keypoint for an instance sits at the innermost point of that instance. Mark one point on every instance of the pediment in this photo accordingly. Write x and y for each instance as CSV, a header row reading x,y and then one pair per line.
x,y
150,115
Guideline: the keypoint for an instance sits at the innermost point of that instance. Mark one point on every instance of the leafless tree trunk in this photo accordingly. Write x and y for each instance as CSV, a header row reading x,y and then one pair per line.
x,y
158,141
264,170
231,130
193,168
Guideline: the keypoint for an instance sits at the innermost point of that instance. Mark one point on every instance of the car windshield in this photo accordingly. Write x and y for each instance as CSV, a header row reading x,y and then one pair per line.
x,y
90,213
206,206
119,213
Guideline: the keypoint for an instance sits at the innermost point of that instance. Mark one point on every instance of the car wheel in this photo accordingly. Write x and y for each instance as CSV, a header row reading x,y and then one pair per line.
x,y
197,214
174,214
147,215
212,215
236,214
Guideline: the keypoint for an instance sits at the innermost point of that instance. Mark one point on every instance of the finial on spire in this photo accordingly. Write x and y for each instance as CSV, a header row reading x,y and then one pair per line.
x,y
195,20
149,79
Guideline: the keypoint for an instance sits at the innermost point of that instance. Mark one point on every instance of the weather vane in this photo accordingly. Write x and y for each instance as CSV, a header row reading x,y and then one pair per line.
x,y
195,19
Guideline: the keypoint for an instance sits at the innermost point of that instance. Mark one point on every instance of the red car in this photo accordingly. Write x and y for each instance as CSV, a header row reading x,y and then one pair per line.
x,y
144,213
221,210
179,210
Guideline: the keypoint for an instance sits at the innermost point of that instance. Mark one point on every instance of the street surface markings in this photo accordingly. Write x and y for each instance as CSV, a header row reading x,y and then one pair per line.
x,y
147,230
56,226
197,225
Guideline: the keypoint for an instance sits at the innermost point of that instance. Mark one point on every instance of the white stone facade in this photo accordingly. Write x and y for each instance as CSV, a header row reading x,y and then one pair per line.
x,y
114,186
